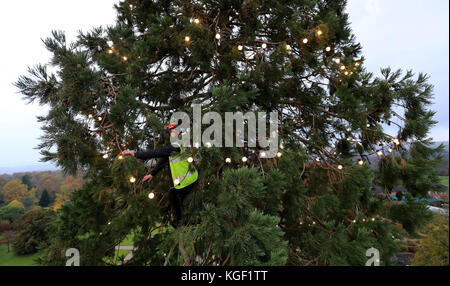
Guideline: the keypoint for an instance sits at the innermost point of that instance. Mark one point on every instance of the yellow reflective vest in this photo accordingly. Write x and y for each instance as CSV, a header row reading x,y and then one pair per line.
x,y
183,173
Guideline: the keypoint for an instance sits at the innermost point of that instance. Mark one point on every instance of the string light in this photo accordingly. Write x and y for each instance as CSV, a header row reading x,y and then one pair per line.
x,y
305,40
390,150
105,156
373,219
360,162
281,146
120,157
218,36
264,45
380,153
240,47
132,179
190,159
346,73
340,167
197,21
151,195
357,64
99,118
176,182
131,6
319,32
396,141
263,154
110,51
91,116
368,125
318,159
279,154
187,39
244,159
125,58
288,47
228,160
338,61
342,67
328,49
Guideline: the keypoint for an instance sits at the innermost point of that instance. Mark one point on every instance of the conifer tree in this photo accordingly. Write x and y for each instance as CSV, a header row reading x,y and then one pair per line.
x,y
115,88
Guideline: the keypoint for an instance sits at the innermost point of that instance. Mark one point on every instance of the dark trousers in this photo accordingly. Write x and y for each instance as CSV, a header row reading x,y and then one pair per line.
x,y
176,198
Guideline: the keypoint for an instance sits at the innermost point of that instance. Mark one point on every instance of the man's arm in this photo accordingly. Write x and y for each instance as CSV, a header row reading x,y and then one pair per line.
x,y
159,165
158,153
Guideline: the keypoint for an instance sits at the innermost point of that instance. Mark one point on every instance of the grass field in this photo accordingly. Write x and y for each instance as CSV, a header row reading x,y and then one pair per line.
x,y
444,180
11,259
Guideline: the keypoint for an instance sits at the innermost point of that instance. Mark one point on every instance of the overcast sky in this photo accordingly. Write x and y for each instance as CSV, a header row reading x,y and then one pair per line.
x,y
407,34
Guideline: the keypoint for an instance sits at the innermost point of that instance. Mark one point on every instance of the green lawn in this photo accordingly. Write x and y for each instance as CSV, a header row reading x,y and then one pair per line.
x,y
444,180
11,259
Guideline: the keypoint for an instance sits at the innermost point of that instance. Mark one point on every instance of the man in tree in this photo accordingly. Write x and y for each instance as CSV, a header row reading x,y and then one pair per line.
x,y
184,174
311,205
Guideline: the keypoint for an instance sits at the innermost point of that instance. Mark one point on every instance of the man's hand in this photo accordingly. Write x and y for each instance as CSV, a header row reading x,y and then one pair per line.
x,y
128,153
148,178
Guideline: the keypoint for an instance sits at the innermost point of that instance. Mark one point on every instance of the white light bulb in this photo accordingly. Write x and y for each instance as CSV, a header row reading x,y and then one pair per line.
x,y
288,47
342,67
99,118
176,182
110,51
361,162
338,61
151,195
390,150
318,159
380,153
263,154
244,159
240,47
190,159
396,141
368,125
91,116
319,32
305,41
228,160
132,179
197,21
340,167
125,58
328,49
120,157
187,39
264,45
218,36
279,154
105,156
281,146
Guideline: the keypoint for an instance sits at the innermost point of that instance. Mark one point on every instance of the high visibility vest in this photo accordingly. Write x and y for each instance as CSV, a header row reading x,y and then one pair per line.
x,y
183,172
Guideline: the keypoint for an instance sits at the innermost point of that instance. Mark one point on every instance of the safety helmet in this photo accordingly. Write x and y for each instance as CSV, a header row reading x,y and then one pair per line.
x,y
171,129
